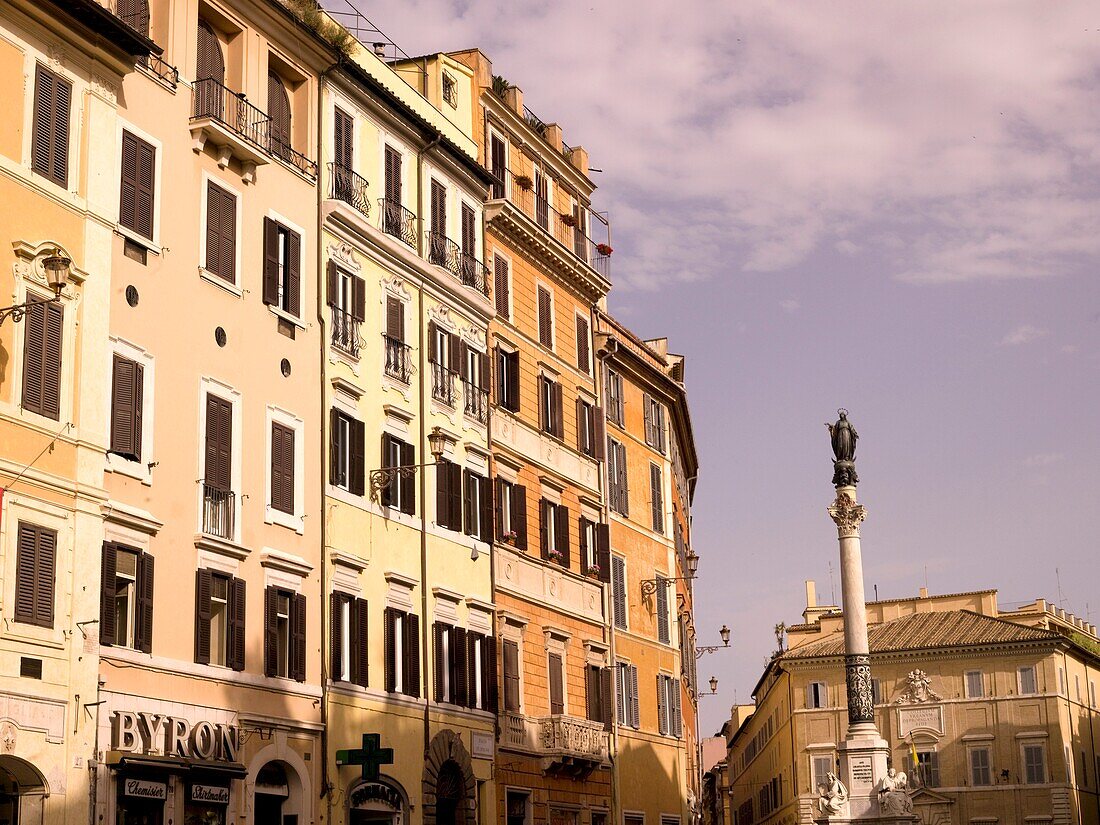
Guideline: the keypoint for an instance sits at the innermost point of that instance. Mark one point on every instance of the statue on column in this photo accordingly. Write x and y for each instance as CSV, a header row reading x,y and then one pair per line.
x,y
844,438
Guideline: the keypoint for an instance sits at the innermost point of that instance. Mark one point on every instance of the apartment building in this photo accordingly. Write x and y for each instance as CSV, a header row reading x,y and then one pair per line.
x,y
991,713
60,64
408,501
651,468
210,587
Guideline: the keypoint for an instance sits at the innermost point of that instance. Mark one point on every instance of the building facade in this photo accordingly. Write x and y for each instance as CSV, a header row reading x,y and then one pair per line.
x,y
992,714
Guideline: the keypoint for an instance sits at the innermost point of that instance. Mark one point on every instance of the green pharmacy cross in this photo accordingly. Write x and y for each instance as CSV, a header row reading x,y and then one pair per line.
x,y
370,756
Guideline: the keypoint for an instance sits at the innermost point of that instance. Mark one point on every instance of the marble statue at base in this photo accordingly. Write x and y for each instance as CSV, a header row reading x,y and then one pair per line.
x,y
833,797
893,798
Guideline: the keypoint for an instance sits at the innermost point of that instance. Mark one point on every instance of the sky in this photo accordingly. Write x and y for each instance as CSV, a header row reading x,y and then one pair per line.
x,y
890,207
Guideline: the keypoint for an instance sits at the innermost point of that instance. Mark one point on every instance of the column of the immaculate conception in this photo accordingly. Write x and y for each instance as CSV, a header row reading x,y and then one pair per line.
x,y
855,794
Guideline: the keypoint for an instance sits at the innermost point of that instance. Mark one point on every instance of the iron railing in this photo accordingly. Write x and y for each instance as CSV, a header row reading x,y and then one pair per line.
x,y
397,358
345,331
134,13
473,273
156,66
218,510
398,221
215,101
345,185
444,252
476,402
281,148
443,384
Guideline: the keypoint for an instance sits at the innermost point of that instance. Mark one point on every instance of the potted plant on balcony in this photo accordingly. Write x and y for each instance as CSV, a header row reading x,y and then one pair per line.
x,y
524,182
569,220
594,571
555,555
510,537
604,249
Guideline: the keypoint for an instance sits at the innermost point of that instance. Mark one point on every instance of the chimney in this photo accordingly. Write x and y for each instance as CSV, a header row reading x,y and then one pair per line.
x,y
579,159
811,593
514,99
553,136
923,593
379,50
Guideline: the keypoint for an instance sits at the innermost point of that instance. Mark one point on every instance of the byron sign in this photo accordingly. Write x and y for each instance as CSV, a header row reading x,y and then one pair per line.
x,y
162,735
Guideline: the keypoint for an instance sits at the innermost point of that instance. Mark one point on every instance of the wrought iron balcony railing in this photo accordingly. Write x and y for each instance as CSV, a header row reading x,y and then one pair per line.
x,y
345,185
398,359
134,13
444,252
215,101
281,148
398,221
169,74
345,332
476,402
218,510
473,273
443,384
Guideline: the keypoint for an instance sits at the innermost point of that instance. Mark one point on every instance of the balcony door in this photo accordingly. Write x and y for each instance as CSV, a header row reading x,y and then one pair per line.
x,y
210,61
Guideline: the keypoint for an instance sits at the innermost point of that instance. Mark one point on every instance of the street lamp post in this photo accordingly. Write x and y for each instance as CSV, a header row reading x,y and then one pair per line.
x,y
58,269
382,478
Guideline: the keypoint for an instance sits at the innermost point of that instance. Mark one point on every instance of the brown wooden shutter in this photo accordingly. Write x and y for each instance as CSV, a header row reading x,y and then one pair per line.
x,y
393,175
357,457
460,360
126,407
498,508
203,588
137,181
455,349
582,543
221,232
389,619
603,551
293,300
591,691
647,413
557,692
408,485
662,706
519,515
236,623
511,675
455,489
497,159
485,376
439,209
278,109
336,634
412,655
501,285
468,513
213,227
605,697
210,63
559,413
583,355
561,532
50,126
143,608
43,330
26,561
358,298
298,637
584,426
656,488
599,434
271,262
108,571
332,274
469,233
395,319
485,531
343,149
442,492
546,328
433,356
360,647
545,515
282,468
460,692
44,571
271,631
219,443
489,673
634,696
513,381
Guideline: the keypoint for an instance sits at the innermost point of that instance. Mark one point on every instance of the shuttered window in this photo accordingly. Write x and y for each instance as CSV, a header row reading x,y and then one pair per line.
x,y
209,55
35,570
546,317
347,458
439,215
663,635
135,14
618,493
477,504
42,334
626,694
469,231
584,355
448,511
507,380
498,154
126,598
349,640
618,591
510,654
282,278
554,532
127,387
343,150
597,682
219,444
402,655
510,512
603,552
656,497
221,232
400,493
395,319
50,125
557,683
219,619
654,413
615,402
284,634
136,198
282,468
278,109
393,176
502,285
550,407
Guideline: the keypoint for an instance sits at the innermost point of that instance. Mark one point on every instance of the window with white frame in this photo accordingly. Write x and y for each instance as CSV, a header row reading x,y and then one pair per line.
x,y
817,695
975,684
820,768
1027,682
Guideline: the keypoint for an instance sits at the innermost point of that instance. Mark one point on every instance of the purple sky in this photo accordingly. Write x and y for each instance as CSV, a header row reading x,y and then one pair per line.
x,y
892,207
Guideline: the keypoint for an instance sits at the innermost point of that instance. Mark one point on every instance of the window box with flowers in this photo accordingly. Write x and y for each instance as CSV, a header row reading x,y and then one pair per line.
x,y
524,182
569,220
510,537
594,571
604,249
556,556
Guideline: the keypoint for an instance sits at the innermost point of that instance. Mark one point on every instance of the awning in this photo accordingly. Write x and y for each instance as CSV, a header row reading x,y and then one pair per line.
x,y
175,764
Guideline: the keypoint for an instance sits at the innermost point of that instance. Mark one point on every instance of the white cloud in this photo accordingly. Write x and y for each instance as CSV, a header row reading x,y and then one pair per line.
x,y
1042,459
790,305
1023,334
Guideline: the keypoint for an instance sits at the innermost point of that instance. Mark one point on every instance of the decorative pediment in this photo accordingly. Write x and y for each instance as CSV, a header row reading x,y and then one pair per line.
x,y
924,796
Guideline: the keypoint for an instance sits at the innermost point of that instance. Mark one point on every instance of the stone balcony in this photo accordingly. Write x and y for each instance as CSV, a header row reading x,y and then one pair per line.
x,y
566,745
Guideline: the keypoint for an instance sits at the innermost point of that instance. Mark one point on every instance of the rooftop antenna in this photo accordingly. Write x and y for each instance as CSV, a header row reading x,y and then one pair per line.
x,y
832,585
926,577
876,592
1061,595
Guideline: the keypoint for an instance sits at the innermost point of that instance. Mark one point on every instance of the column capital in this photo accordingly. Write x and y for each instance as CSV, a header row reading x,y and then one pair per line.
x,y
847,514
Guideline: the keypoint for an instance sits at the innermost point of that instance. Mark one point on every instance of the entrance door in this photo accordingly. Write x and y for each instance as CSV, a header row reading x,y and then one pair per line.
x,y
22,792
140,812
450,796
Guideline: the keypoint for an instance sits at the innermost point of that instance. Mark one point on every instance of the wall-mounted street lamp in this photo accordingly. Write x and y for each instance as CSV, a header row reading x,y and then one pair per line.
x,y
649,586
713,682
704,649
58,269
381,479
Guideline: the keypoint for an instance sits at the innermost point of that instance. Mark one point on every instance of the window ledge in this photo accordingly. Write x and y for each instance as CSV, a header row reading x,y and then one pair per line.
x,y
139,470
286,316
139,239
220,282
223,547
287,520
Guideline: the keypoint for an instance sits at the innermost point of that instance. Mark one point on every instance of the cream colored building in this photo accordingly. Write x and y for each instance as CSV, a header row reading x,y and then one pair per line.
x,y
992,714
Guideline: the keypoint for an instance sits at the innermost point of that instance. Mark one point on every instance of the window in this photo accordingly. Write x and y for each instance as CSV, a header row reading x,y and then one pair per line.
x,y
400,492
542,200
654,423
402,633
35,566
282,468
282,268
50,126
347,297
618,494
669,715
42,336
279,113
508,380
821,767
481,656
615,401
475,383
584,349
126,600
444,354
656,497
626,694
876,691
219,507
511,671
597,681
393,222
554,532
136,198
586,529
980,771
663,584
477,503
219,619
284,634
348,640
450,664
817,695
546,317
347,459
516,808
343,150
127,386
498,161
590,430
468,224
550,407
209,54
618,591
437,239
511,513
221,232
1035,771
448,506
975,686
556,669
502,283
1027,682
928,768
450,90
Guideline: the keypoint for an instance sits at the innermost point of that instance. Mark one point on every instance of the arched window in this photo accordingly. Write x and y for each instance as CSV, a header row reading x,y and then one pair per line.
x,y
450,795
135,14
278,109
272,790
210,62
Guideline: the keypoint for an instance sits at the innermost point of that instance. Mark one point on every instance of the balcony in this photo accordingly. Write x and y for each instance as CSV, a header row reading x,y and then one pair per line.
x,y
345,332
476,402
397,358
281,148
169,75
567,746
345,185
218,510
471,272
443,385
398,221
565,229
124,23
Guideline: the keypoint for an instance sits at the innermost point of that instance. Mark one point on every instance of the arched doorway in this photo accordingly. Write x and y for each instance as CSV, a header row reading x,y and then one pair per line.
x,y
22,792
449,787
272,790
376,803
450,794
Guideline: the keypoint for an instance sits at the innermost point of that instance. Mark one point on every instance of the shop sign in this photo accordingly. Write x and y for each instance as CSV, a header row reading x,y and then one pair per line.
x,y
144,789
160,734
210,793
376,792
